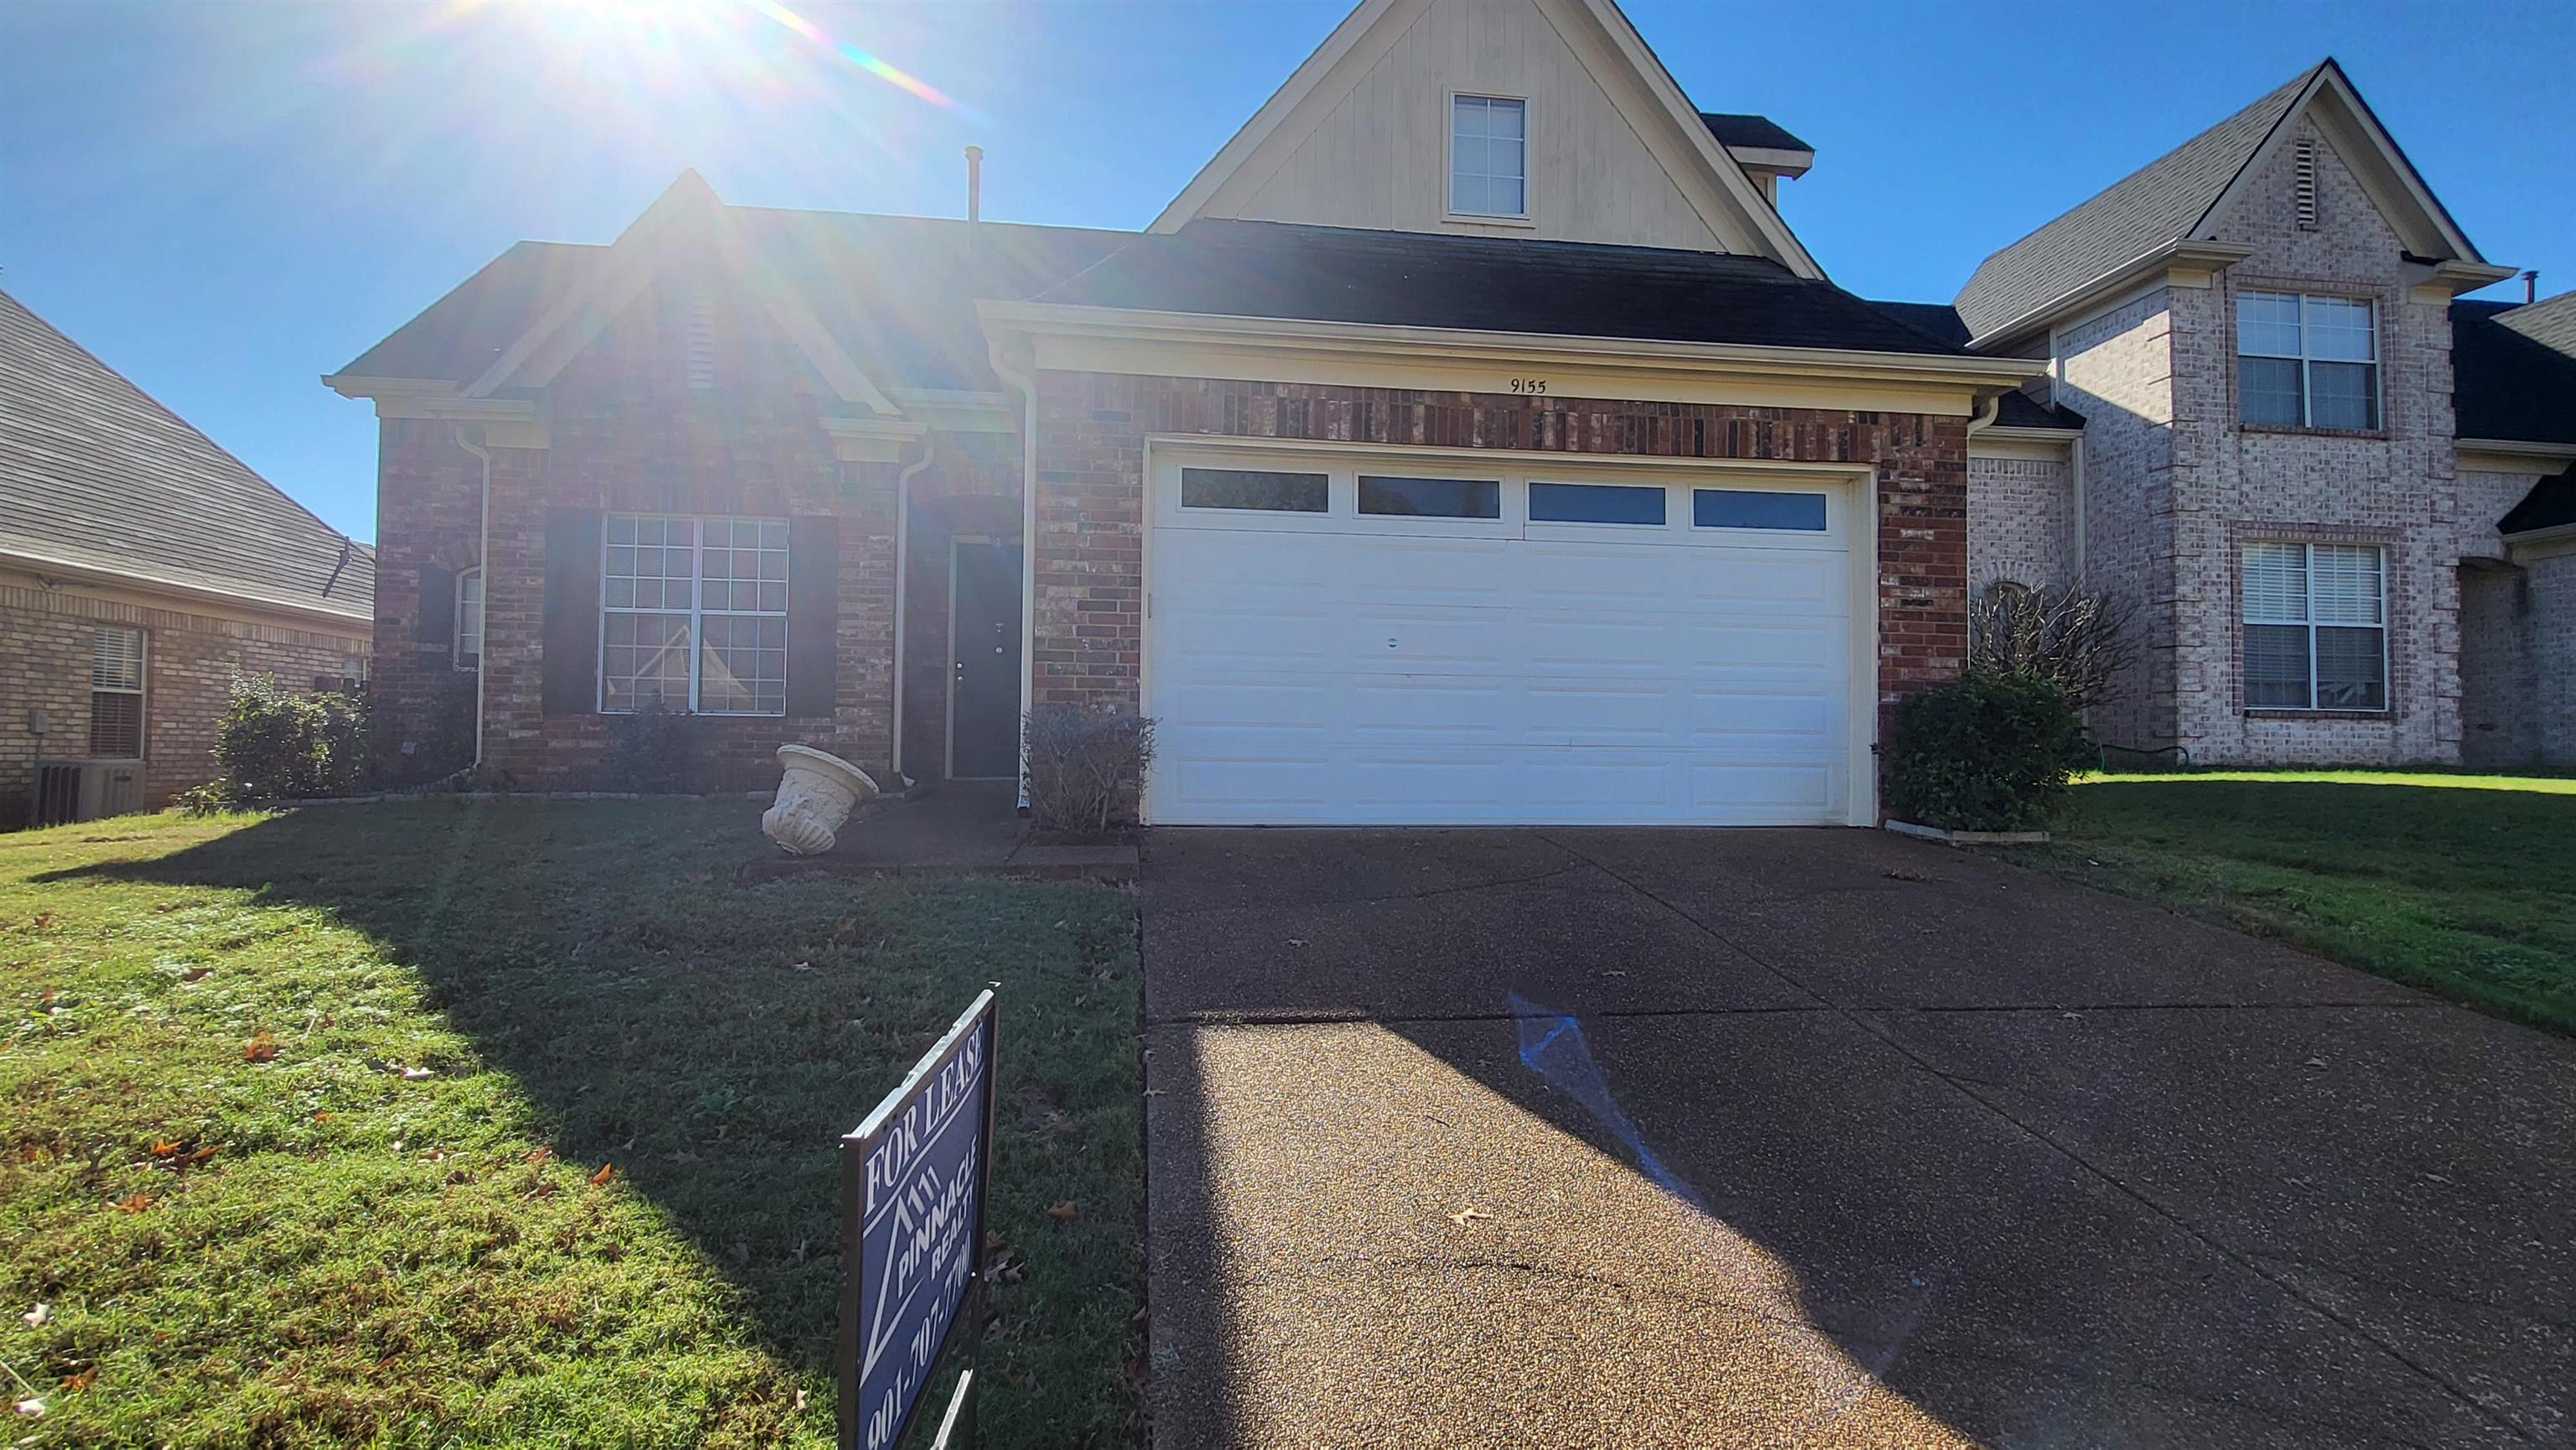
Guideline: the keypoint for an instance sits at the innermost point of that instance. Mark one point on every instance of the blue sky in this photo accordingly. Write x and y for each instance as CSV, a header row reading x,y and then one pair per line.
x,y
225,199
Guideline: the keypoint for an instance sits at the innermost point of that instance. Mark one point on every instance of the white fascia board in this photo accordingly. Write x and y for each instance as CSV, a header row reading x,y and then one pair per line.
x,y
1047,319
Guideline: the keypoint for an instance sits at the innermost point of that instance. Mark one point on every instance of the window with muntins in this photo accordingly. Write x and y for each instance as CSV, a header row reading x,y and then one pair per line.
x,y
693,615
116,692
2315,620
2306,362
1488,156
469,619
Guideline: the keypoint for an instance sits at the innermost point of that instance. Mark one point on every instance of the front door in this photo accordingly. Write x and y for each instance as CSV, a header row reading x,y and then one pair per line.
x,y
984,642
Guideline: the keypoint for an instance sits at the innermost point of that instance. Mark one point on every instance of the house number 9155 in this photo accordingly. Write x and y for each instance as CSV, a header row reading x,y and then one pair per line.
x,y
1529,385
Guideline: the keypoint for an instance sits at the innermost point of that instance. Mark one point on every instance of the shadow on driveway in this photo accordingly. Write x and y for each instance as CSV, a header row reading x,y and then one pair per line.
x,y
1541,1138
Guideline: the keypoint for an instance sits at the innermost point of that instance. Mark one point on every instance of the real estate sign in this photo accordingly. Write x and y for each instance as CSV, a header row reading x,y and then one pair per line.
x,y
913,1183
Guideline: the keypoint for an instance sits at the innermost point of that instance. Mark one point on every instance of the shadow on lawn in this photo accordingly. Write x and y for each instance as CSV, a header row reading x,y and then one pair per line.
x,y
714,1041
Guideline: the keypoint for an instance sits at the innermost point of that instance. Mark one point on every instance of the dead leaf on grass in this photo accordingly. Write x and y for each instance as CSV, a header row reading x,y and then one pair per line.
x,y
162,1148
134,1203
1064,1212
262,1048
699,878
603,1175
1466,1216
36,1317
74,1383
684,1158
539,1155
196,974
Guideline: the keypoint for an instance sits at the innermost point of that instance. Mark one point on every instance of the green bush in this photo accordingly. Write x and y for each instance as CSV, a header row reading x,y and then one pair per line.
x,y
275,744
652,749
1986,752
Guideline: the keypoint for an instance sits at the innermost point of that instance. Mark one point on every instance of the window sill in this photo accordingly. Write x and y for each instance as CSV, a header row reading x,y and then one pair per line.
x,y
2278,714
1476,219
2295,431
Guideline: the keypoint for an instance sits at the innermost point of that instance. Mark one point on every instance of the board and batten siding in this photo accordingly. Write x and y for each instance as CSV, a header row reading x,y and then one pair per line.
x,y
1379,159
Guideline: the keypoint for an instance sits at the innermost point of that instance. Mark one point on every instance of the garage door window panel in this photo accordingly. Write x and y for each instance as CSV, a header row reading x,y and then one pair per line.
x,y
1255,490
1431,498
1737,508
1597,503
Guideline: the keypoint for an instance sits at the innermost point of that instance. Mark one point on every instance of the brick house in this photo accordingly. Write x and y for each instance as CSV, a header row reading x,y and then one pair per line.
x,y
141,567
1471,440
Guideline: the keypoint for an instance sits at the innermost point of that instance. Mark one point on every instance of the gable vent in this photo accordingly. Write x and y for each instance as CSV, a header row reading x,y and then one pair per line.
x,y
2307,185
702,342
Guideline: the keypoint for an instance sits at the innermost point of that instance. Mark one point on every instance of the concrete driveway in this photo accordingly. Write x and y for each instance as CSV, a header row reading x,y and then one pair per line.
x,y
1820,1138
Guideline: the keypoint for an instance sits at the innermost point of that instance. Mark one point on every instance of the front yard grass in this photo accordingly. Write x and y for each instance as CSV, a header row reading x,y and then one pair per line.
x,y
2464,885
451,1123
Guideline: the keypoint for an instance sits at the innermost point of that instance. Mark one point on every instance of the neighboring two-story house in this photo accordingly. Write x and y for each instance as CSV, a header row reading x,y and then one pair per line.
x,y
141,568
1470,441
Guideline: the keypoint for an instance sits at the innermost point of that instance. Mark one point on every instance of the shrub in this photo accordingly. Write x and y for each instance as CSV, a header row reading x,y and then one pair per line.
x,y
2074,638
275,744
1086,767
652,749
1986,752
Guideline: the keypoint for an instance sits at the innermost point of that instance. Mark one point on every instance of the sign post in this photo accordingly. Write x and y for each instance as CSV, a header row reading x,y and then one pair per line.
x,y
914,1181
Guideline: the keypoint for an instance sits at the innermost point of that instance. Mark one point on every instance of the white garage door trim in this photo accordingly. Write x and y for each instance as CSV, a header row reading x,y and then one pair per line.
x,y
1851,490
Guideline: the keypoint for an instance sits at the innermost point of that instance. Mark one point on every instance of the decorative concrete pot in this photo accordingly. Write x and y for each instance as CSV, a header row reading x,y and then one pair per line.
x,y
816,793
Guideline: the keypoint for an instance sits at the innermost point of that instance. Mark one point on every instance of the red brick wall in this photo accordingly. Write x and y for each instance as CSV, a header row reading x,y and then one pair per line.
x,y
190,659
1090,519
628,433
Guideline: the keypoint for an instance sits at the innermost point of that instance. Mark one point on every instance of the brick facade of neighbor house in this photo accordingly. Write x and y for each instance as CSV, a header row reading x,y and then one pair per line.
x,y
190,659
2550,624
1091,453
627,433
2021,521
2176,485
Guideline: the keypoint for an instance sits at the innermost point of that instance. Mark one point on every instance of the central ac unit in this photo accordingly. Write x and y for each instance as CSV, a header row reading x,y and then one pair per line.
x,y
86,790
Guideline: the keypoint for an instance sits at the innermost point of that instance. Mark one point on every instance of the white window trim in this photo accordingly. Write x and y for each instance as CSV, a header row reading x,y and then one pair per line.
x,y
141,691
697,614
457,656
2307,385
2308,573
1527,216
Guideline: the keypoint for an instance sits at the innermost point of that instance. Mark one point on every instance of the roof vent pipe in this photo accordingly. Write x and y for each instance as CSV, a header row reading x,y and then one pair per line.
x,y
974,183
2531,286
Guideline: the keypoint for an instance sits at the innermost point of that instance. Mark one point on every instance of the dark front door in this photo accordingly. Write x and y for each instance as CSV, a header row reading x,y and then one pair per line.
x,y
984,683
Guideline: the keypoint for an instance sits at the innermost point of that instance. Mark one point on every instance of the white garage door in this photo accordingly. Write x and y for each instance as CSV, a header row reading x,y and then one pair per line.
x,y
1420,640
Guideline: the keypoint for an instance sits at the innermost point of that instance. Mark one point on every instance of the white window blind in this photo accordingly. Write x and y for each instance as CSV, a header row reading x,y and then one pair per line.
x,y
469,619
116,692
2315,626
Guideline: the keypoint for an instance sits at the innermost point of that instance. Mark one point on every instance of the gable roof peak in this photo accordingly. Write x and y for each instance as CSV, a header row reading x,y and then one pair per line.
x,y
2181,196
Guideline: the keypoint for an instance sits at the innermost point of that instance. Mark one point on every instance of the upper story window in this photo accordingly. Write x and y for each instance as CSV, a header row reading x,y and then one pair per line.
x,y
116,692
2306,362
1488,156
693,615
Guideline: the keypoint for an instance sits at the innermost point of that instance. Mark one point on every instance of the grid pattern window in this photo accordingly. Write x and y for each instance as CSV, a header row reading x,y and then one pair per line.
x,y
1488,156
693,615
469,619
116,692
2306,362
2316,635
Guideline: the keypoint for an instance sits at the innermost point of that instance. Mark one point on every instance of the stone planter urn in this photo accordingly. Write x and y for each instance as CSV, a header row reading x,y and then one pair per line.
x,y
816,794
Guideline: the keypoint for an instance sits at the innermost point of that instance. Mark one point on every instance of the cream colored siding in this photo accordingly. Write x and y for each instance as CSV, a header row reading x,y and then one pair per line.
x,y
1380,158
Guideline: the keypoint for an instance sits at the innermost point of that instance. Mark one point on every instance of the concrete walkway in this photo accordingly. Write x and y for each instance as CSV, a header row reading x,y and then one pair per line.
x,y
1820,1138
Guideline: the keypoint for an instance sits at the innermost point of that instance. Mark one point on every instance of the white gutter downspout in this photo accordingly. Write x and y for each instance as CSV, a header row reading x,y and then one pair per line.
x,y
902,583
1028,390
482,553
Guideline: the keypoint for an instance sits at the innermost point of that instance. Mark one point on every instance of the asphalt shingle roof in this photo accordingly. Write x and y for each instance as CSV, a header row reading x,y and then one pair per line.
x,y
898,293
2550,504
2550,320
1406,279
2507,383
97,475
1751,132
2159,203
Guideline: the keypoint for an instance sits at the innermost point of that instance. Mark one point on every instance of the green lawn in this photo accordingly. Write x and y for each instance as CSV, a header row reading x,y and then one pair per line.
x,y
2461,884
394,1230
